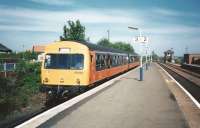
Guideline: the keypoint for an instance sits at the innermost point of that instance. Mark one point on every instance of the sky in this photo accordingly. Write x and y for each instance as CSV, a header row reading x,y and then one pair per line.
x,y
167,23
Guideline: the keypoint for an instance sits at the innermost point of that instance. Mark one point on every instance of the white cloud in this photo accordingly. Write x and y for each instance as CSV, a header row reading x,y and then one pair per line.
x,y
97,22
166,12
54,2
173,29
50,20
28,28
173,13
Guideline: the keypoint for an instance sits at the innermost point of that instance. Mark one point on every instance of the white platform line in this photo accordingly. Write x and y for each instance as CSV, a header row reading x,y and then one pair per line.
x,y
189,95
43,117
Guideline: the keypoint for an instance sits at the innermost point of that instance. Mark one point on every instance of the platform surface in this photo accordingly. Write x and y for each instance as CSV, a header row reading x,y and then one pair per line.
x,y
128,103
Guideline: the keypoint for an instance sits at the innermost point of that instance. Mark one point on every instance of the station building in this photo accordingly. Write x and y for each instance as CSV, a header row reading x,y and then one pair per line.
x,y
193,58
4,49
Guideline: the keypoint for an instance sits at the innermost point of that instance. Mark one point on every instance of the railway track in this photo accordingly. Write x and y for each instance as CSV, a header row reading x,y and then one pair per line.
x,y
185,70
188,79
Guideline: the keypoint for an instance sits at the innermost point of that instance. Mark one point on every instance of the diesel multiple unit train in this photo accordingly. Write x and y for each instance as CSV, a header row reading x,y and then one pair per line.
x,y
73,66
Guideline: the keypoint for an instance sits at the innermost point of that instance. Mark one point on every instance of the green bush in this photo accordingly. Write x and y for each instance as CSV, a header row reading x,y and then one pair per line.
x,y
8,92
27,55
28,76
16,93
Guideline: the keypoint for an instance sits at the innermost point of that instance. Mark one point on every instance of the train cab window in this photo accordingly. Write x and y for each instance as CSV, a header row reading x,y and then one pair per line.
x,y
76,61
64,61
47,60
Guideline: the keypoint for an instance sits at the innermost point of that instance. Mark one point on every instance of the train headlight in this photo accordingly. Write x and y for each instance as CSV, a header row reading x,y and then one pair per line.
x,y
46,80
61,80
78,81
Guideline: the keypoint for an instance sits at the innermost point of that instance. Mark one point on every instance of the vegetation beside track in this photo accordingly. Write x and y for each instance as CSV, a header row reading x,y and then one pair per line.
x,y
19,91
27,55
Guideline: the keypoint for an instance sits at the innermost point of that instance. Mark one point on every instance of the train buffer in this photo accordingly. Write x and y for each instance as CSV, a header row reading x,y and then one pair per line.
x,y
130,103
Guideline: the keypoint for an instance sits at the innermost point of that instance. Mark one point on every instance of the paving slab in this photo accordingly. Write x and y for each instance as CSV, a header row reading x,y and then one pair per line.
x,y
128,103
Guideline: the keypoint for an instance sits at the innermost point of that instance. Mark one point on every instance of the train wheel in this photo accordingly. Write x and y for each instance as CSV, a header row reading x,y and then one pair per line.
x,y
51,100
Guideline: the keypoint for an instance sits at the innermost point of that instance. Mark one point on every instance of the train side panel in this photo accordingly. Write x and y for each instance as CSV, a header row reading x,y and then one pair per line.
x,y
96,75
99,75
134,64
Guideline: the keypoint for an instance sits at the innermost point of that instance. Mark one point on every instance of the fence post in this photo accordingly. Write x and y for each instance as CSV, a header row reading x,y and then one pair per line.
x,y
14,66
5,73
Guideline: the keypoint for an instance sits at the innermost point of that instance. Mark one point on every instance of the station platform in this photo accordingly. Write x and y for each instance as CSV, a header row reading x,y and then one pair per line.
x,y
128,103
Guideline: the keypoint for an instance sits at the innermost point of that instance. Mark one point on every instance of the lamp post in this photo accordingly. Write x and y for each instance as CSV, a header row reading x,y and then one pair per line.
x,y
141,67
147,60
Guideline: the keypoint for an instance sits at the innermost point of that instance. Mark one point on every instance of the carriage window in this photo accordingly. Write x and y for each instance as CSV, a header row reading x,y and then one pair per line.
x,y
107,61
114,60
121,60
98,62
125,58
102,62
131,59
64,61
117,60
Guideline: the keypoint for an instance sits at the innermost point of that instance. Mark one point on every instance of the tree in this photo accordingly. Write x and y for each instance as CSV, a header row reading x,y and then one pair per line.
x,y
155,57
74,31
104,42
117,45
123,46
